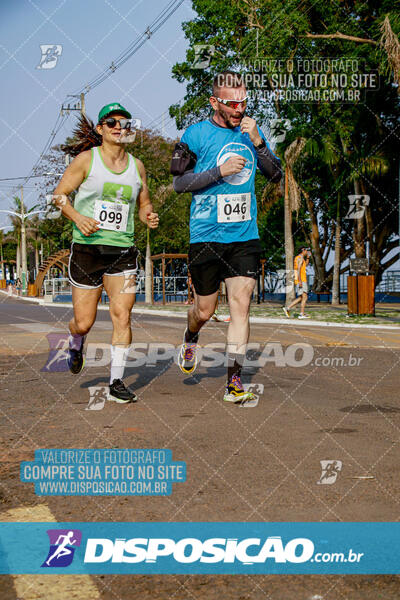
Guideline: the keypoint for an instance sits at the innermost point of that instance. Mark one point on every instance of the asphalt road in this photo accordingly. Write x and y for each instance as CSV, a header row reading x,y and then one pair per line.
x,y
324,393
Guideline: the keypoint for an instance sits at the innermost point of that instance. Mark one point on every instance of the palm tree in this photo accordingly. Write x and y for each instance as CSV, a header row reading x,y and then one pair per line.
x,y
329,154
291,203
2,240
33,234
16,222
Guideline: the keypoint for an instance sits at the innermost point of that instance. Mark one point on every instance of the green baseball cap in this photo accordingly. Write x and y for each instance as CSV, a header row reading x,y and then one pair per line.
x,y
114,107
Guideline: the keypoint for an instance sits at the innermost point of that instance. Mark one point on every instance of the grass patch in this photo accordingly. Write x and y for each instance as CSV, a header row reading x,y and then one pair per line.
x,y
383,316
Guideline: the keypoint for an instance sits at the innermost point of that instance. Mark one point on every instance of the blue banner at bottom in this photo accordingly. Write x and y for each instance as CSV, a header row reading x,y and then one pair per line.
x,y
200,548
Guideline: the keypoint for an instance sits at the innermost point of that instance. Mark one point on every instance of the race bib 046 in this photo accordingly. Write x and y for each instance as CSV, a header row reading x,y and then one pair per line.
x,y
234,208
111,215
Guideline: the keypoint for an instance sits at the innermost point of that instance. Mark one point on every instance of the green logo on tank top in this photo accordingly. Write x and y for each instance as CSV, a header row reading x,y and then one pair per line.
x,y
116,192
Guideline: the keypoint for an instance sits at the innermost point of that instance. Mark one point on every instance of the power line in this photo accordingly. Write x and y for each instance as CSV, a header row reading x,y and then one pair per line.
x,y
22,177
158,22
57,126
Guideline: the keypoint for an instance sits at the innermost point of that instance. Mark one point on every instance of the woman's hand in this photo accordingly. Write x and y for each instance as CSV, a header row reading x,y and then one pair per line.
x,y
86,225
153,220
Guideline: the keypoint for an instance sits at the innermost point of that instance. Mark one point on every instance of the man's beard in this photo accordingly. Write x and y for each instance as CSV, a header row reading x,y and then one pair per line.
x,y
226,119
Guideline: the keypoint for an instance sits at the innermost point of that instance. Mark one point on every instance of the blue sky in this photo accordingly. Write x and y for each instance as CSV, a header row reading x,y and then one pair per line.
x,y
92,33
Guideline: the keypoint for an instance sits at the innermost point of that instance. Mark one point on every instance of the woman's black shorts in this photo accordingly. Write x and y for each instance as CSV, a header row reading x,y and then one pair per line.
x,y
89,262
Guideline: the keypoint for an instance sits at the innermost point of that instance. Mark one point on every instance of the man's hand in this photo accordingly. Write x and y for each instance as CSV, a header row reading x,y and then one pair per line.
x,y
86,225
248,125
233,165
152,220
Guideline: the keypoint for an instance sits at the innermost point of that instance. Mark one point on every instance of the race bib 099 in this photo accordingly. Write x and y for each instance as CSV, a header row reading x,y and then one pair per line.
x,y
112,216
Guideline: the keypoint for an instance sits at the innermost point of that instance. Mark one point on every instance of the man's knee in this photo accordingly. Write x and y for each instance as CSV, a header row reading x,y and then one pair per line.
x,y
203,313
239,304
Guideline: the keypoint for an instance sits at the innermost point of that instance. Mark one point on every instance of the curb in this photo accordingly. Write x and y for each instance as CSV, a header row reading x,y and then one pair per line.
x,y
255,320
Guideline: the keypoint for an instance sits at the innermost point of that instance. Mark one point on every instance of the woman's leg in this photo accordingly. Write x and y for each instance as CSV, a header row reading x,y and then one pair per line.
x,y
85,309
121,291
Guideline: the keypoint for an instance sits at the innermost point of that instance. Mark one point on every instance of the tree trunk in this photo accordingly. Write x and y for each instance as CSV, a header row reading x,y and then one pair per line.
x,y
315,243
336,264
289,249
359,226
36,259
18,261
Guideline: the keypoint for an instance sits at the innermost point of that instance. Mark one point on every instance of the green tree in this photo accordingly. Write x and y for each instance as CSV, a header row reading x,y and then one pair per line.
x,y
349,146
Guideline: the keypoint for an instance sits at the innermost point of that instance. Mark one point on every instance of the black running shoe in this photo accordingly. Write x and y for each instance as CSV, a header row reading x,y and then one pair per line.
x,y
120,393
75,359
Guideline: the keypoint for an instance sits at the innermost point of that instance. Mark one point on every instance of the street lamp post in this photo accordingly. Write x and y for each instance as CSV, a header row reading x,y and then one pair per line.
x,y
23,216
24,261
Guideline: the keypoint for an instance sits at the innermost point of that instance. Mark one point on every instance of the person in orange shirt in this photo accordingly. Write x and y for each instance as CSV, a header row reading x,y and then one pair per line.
x,y
300,279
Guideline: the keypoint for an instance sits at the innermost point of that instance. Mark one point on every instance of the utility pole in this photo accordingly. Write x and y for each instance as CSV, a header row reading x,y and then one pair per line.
x,y
83,108
78,106
23,244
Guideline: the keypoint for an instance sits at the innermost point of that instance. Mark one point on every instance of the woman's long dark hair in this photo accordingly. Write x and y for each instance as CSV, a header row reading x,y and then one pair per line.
x,y
84,137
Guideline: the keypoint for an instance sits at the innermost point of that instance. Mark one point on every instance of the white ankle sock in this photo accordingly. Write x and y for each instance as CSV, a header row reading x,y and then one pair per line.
x,y
119,356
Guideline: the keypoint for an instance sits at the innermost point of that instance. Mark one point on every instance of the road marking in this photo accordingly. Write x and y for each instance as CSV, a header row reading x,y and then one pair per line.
x,y
104,325
37,327
43,587
139,322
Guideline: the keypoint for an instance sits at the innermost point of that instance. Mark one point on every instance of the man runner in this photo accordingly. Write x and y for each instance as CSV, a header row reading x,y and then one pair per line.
x,y
224,240
300,279
103,254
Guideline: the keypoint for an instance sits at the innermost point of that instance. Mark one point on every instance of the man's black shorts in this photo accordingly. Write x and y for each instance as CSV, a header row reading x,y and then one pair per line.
x,y
213,262
89,262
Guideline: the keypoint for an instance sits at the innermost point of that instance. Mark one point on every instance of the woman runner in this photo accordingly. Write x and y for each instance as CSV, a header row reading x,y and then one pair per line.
x,y
103,254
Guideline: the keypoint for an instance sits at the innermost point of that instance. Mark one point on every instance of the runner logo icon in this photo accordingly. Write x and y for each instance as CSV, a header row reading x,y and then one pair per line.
x,y
62,547
202,55
57,361
50,55
98,396
330,471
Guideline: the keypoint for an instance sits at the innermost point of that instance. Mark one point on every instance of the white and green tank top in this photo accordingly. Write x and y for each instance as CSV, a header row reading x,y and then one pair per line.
x,y
110,198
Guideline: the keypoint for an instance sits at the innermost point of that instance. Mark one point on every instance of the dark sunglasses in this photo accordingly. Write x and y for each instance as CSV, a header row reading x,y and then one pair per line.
x,y
233,103
111,122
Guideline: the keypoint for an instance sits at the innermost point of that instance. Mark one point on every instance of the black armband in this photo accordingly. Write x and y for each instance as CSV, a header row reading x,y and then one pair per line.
x,y
183,159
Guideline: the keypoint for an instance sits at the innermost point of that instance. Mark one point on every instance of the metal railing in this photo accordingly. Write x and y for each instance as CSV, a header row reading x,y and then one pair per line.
x,y
55,286
277,283
274,283
174,286
390,282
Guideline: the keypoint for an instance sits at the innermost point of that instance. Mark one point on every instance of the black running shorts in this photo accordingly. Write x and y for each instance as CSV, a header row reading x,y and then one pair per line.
x,y
89,262
213,262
